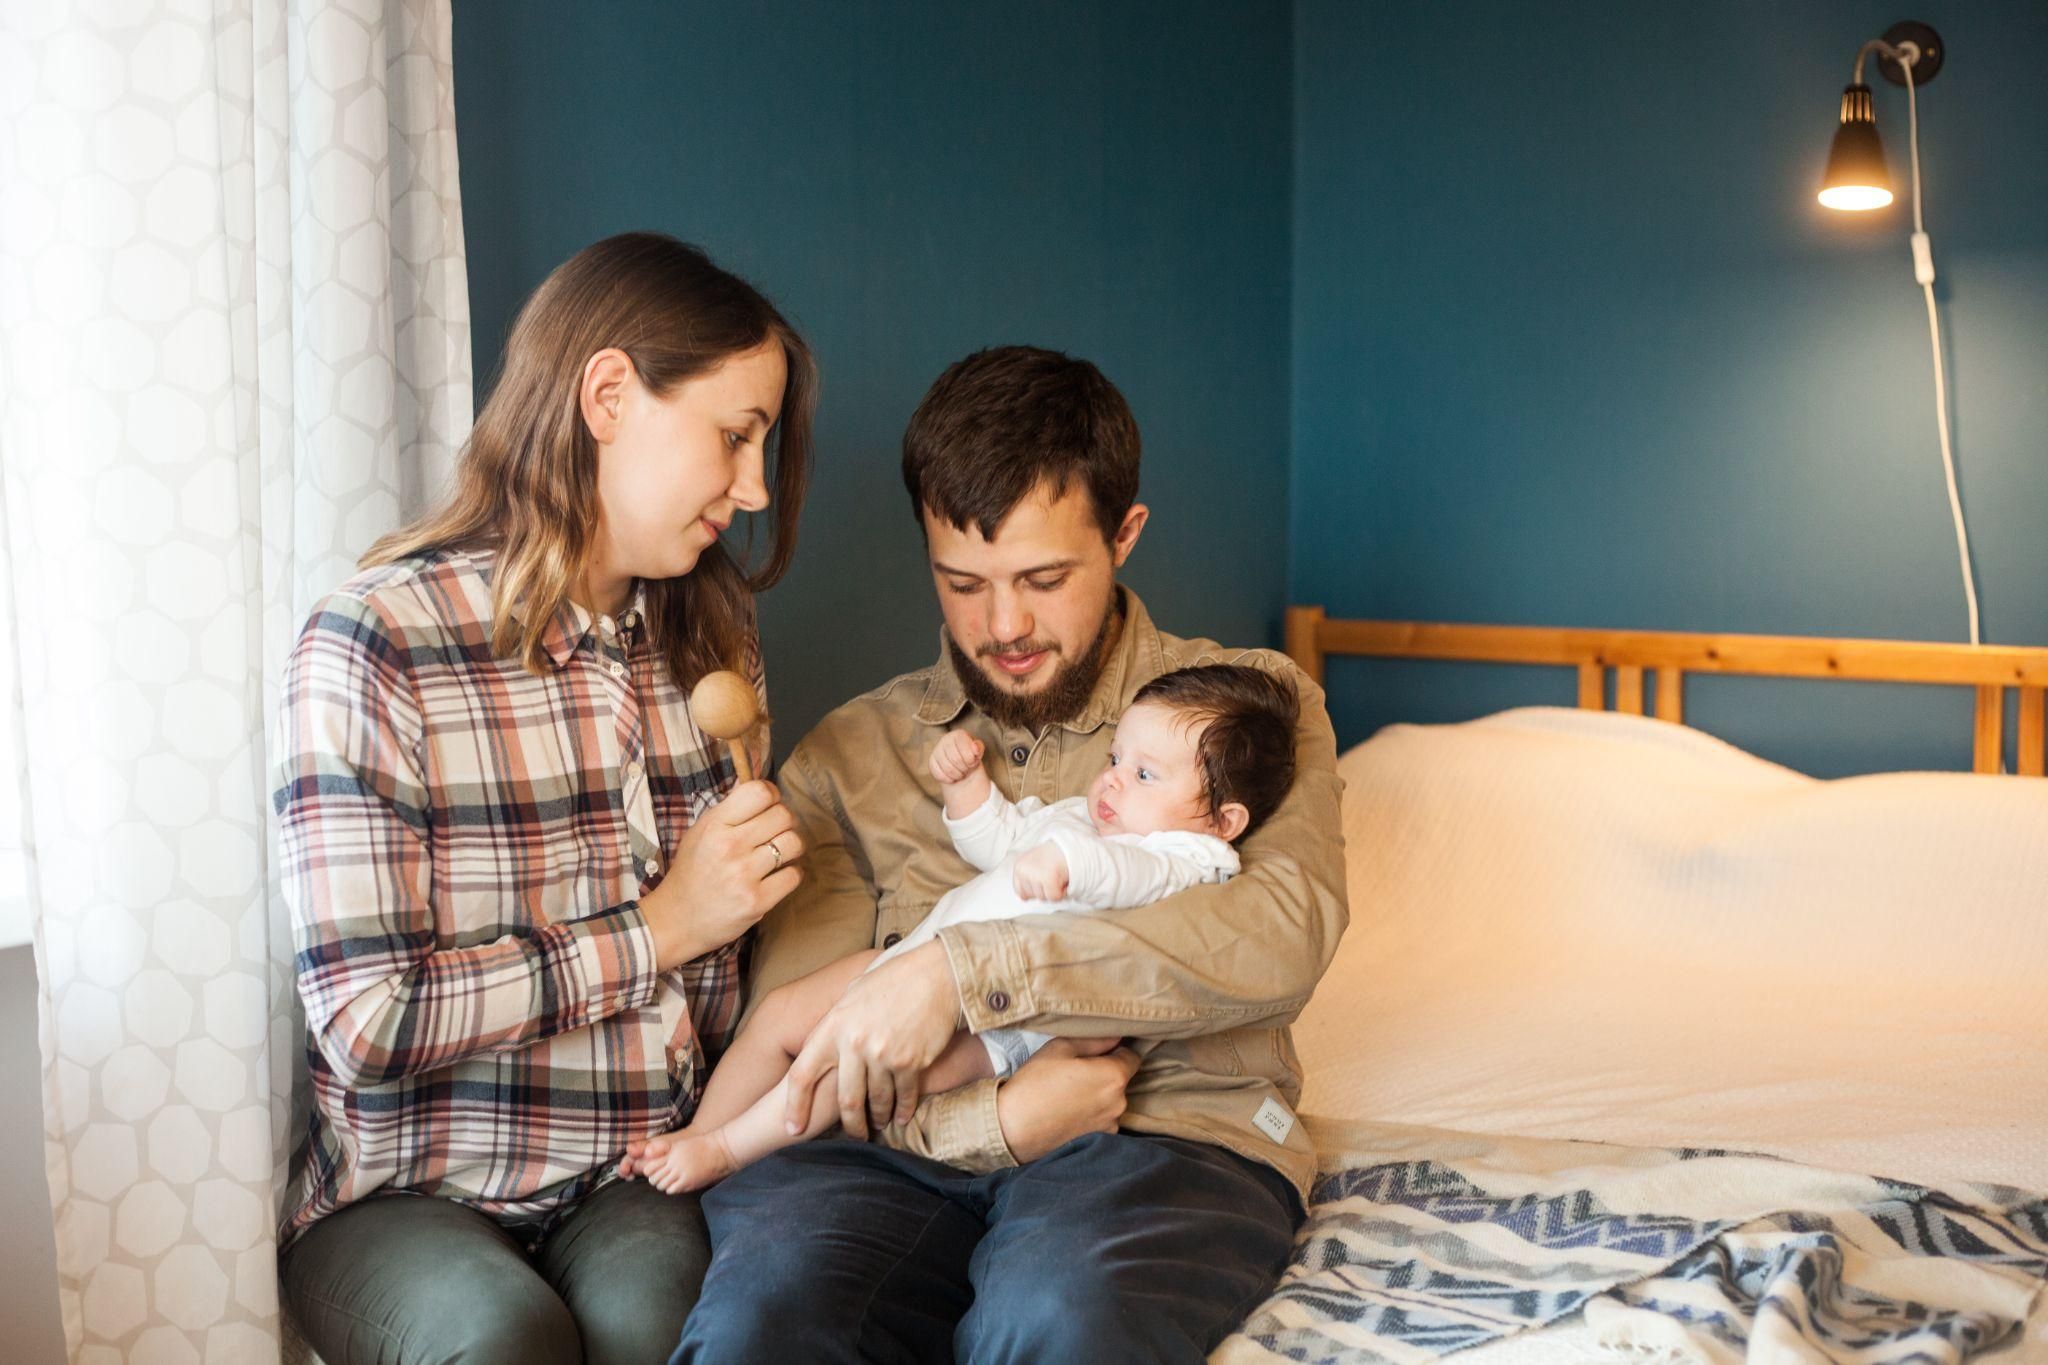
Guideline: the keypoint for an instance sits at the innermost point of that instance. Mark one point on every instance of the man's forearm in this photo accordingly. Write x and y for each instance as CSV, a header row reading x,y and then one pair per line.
x,y
1091,975
1209,958
960,1127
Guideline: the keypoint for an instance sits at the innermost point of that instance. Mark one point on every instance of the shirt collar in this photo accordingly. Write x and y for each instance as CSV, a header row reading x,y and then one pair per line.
x,y
1137,657
566,631
943,698
571,622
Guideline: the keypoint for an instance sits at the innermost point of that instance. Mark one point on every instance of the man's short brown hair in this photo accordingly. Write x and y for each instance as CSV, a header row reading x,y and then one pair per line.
x,y
1246,754
1000,423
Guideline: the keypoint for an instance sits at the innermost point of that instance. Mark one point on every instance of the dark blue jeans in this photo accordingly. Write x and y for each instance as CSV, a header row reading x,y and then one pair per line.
x,y
1115,1247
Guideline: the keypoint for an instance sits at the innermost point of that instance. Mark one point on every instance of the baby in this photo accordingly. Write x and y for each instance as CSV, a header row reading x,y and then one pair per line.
x,y
1200,757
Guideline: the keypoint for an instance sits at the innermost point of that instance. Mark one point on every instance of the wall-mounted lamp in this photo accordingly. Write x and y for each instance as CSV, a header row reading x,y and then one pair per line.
x,y
1909,54
1856,177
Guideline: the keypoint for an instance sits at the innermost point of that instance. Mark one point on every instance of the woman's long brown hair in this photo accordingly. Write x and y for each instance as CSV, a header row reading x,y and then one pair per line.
x,y
526,486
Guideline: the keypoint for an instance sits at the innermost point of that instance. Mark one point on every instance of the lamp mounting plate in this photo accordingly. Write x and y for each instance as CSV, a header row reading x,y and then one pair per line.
x,y
1932,50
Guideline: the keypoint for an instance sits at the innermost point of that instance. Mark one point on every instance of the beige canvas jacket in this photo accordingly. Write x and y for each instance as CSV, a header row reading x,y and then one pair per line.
x,y
1207,981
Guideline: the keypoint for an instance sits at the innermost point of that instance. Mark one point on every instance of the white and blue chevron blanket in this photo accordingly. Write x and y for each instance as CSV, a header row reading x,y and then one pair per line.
x,y
1422,1243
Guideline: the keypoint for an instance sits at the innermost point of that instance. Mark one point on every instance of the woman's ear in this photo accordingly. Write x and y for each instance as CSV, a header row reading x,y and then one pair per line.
x,y
1230,821
605,376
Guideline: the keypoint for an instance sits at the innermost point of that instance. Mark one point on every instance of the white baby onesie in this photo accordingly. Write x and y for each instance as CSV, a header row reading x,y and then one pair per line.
x,y
1104,872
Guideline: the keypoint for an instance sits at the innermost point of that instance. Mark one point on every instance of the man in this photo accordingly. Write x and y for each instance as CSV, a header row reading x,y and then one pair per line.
x,y
1058,1216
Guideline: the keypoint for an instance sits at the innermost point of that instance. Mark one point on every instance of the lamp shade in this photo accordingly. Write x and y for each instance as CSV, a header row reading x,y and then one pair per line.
x,y
1856,176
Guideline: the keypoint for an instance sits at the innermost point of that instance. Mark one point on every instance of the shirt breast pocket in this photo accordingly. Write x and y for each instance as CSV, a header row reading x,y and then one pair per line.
x,y
896,914
570,881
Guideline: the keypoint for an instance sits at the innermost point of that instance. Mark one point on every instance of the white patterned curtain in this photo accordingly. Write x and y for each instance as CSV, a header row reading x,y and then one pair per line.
x,y
236,351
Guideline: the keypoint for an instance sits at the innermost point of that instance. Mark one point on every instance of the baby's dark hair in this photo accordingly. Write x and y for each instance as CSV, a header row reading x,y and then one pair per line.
x,y
1247,753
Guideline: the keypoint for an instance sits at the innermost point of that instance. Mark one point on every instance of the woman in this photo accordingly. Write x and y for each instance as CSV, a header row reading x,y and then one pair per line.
x,y
518,874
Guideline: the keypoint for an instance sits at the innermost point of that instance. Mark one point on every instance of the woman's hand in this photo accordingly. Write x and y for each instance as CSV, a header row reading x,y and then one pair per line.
x,y
1073,1087
728,870
888,1026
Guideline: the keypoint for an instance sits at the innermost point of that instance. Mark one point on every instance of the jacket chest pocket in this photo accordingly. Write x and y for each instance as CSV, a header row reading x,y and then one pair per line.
x,y
896,915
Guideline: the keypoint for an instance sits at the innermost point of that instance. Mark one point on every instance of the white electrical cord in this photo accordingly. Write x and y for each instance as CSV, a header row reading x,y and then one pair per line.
x,y
1923,271
1906,54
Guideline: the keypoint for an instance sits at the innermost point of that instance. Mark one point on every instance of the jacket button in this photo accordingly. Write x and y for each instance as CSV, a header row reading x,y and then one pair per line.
x,y
891,940
1019,754
998,1001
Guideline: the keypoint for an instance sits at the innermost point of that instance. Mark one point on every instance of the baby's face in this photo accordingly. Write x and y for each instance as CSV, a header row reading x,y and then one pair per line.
x,y
1151,783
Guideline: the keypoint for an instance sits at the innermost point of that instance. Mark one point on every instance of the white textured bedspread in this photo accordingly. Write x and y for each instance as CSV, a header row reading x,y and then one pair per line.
x,y
1578,925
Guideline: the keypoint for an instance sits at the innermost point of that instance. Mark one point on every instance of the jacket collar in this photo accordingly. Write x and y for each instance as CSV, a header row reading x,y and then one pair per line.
x,y
1137,657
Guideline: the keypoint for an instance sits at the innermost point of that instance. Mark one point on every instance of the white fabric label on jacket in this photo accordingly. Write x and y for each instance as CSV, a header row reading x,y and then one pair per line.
x,y
1273,1120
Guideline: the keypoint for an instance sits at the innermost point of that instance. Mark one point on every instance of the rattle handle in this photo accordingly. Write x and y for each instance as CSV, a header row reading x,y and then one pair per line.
x,y
742,761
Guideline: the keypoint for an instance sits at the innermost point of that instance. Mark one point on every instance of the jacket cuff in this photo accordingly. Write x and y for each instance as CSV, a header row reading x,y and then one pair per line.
x,y
959,1127
991,972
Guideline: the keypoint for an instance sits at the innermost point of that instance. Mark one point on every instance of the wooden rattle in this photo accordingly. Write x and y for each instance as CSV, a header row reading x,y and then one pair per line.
x,y
726,707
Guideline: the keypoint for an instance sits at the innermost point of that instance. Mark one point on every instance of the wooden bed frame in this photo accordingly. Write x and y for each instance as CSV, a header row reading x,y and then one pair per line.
x,y
1670,655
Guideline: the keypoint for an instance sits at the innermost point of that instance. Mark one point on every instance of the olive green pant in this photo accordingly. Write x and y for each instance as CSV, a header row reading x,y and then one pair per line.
x,y
414,1280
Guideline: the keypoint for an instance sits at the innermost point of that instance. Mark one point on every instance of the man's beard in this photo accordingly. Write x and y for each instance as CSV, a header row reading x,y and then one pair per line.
x,y
1072,683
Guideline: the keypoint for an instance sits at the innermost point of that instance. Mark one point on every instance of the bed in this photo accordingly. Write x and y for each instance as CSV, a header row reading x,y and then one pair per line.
x,y
1643,1048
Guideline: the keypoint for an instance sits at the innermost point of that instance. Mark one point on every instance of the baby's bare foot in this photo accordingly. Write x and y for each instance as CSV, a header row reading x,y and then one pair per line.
x,y
642,1155
694,1161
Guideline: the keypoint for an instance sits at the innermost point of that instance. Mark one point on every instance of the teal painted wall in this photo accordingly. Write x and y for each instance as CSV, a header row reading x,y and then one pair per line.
x,y
1574,345
1458,312
911,182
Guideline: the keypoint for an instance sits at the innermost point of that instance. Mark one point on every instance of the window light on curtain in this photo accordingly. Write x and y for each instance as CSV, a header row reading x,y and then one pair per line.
x,y
236,351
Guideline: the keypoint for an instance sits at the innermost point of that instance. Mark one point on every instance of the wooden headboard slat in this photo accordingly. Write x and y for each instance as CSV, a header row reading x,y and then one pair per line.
x,y
2033,731
1990,726
1671,695
1990,669
1592,687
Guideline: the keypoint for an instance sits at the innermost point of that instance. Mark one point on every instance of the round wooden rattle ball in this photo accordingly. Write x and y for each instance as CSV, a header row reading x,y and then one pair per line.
x,y
726,707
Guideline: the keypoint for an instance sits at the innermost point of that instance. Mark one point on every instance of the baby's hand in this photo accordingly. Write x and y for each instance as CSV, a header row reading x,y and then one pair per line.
x,y
956,758
1040,874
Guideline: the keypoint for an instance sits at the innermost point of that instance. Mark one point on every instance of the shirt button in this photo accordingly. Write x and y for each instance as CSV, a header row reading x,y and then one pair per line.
x,y
998,1001
618,669
1019,754
653,866
891,940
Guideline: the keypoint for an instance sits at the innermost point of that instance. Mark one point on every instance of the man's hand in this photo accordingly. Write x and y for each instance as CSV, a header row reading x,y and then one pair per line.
x,y
1073,1087
888,1026
1040,874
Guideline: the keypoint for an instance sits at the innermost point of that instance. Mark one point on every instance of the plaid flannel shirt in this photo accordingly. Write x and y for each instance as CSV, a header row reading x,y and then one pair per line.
x,y
463,849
